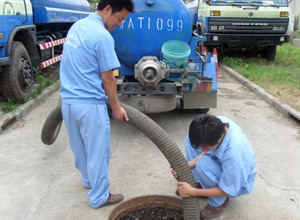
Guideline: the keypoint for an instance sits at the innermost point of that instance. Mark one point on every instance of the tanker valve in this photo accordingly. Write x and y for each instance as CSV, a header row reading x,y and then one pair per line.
x,y
149,71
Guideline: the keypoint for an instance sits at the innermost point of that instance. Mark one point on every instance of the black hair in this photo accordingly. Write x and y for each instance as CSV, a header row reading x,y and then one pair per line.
x,y
116,5
205,130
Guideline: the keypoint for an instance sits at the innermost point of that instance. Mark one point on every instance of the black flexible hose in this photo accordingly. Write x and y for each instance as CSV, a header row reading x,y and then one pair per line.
x,y
157,135
170,150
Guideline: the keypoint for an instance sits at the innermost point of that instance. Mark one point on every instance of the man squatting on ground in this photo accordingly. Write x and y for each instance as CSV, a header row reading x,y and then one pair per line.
x,y
87,82
222,161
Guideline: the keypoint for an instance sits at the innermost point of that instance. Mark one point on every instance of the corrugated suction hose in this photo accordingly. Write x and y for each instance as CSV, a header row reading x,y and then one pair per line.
x,y
156,134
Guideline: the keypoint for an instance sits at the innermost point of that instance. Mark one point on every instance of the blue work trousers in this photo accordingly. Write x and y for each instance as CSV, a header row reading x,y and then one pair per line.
x,y
207,172
88,127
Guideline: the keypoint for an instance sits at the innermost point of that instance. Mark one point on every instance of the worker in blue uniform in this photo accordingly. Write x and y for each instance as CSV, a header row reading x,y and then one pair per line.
x,y
222,161
87,83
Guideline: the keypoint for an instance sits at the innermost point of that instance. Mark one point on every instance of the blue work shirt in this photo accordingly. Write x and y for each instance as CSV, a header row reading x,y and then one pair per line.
x,y
237,160
88,51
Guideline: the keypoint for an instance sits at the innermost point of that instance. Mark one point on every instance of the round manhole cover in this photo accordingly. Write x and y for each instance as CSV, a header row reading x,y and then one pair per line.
x,y
152,207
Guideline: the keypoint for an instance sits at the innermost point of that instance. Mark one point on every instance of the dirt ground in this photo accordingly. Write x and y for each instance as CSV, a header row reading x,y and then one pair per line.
x,y
51,72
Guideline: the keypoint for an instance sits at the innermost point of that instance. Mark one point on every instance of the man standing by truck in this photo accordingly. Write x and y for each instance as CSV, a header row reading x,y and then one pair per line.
x,y
87,82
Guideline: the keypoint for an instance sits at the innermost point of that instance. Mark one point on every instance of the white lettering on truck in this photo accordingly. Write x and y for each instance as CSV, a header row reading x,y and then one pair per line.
x,y
249,24
148,23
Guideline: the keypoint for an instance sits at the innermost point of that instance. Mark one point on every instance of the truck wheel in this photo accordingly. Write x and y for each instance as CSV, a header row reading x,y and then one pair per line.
x,y
16,79
269,53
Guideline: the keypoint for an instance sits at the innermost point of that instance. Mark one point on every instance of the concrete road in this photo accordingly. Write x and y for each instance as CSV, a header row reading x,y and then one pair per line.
x,y
40,182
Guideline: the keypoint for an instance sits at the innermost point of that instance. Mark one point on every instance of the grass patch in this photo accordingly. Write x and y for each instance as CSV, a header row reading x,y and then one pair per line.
x,y
9,106
281,78
41,83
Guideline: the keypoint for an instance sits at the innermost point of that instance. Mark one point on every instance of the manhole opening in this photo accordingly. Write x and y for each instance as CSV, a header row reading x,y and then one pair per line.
x,y
152,207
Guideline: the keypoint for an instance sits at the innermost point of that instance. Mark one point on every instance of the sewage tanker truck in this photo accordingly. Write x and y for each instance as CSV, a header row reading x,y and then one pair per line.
x,y
163,65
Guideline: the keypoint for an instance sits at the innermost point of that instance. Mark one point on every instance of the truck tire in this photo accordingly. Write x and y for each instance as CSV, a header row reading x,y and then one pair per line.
x,y
16,79
269,53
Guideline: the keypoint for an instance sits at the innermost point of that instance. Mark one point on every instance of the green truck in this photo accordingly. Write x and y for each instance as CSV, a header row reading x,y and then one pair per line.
x,y
242,25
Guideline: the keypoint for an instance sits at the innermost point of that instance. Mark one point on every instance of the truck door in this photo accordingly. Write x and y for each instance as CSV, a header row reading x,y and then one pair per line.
x,y
20,8
9,20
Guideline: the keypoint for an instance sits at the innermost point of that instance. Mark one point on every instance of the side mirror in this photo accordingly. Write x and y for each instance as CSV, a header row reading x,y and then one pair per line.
x,y
208,1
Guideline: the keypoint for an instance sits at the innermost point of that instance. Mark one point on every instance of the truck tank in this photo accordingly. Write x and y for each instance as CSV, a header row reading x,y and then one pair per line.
x,y
57,11
162,65
153,23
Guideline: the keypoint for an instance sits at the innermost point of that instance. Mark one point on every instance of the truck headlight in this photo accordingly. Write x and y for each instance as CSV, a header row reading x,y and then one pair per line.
x,y
213,28
215,38
281,28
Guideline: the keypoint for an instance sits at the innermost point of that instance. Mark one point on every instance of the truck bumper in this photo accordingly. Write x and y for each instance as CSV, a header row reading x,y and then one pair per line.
x,y
245,41
135,88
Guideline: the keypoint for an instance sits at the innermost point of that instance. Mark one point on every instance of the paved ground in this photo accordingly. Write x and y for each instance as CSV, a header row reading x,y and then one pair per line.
x,y
40,182
296,42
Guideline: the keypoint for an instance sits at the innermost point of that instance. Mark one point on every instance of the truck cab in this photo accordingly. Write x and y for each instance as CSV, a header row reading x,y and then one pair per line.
x,y
244,25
